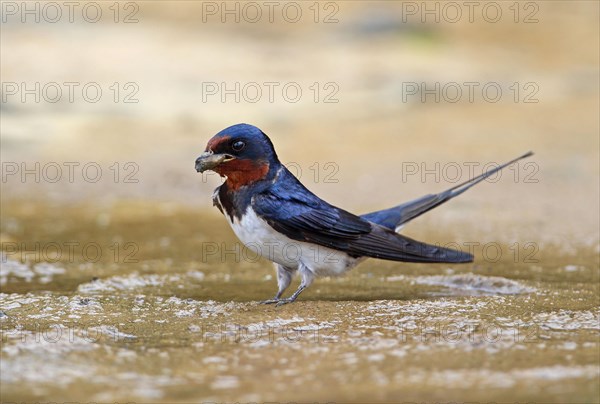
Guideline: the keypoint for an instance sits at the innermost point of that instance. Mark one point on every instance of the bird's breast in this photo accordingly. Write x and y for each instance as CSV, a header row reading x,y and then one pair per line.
x,y
259,238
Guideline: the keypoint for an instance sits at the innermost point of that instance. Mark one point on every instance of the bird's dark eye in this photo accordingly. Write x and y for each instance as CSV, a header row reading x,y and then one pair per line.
x,y
238,145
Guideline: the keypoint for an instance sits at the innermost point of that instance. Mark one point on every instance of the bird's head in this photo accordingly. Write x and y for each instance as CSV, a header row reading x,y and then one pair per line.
x,y
242,153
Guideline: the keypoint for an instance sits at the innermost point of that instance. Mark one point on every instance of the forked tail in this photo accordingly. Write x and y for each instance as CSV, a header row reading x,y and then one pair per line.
x,y
397,216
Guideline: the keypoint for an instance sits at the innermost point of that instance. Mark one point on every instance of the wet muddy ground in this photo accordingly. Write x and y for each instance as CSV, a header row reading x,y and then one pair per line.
x,y
168,317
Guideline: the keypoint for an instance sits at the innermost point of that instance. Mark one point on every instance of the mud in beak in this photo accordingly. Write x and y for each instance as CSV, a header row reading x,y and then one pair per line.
x,y
208,161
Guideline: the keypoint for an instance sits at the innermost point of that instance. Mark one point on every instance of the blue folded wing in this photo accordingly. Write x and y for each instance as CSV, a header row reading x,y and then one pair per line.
x,y
292,210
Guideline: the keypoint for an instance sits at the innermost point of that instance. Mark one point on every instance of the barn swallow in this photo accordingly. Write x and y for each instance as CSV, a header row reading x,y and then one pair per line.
x,y
276,216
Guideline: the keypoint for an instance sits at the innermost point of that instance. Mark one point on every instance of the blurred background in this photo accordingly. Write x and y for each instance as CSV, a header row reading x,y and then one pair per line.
x,y
106,105
378,87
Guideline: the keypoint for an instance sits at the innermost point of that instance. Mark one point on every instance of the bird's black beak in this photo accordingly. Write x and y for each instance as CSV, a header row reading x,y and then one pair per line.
x,y
209,160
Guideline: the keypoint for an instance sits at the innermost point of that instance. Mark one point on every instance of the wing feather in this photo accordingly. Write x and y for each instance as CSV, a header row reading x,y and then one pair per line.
x,y
302,216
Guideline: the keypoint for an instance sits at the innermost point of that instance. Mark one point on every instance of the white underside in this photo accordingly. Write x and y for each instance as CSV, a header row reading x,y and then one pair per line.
x,y
260,238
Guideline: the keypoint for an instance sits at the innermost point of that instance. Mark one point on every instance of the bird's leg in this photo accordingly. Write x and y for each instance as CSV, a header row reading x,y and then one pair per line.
x,y
284,278
307,278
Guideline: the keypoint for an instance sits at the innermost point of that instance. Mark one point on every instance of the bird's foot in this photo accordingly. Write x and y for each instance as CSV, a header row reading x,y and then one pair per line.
x,y
281,302
270,301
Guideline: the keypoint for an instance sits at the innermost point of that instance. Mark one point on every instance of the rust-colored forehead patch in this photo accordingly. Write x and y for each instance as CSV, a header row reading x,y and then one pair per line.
x,y
214,143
